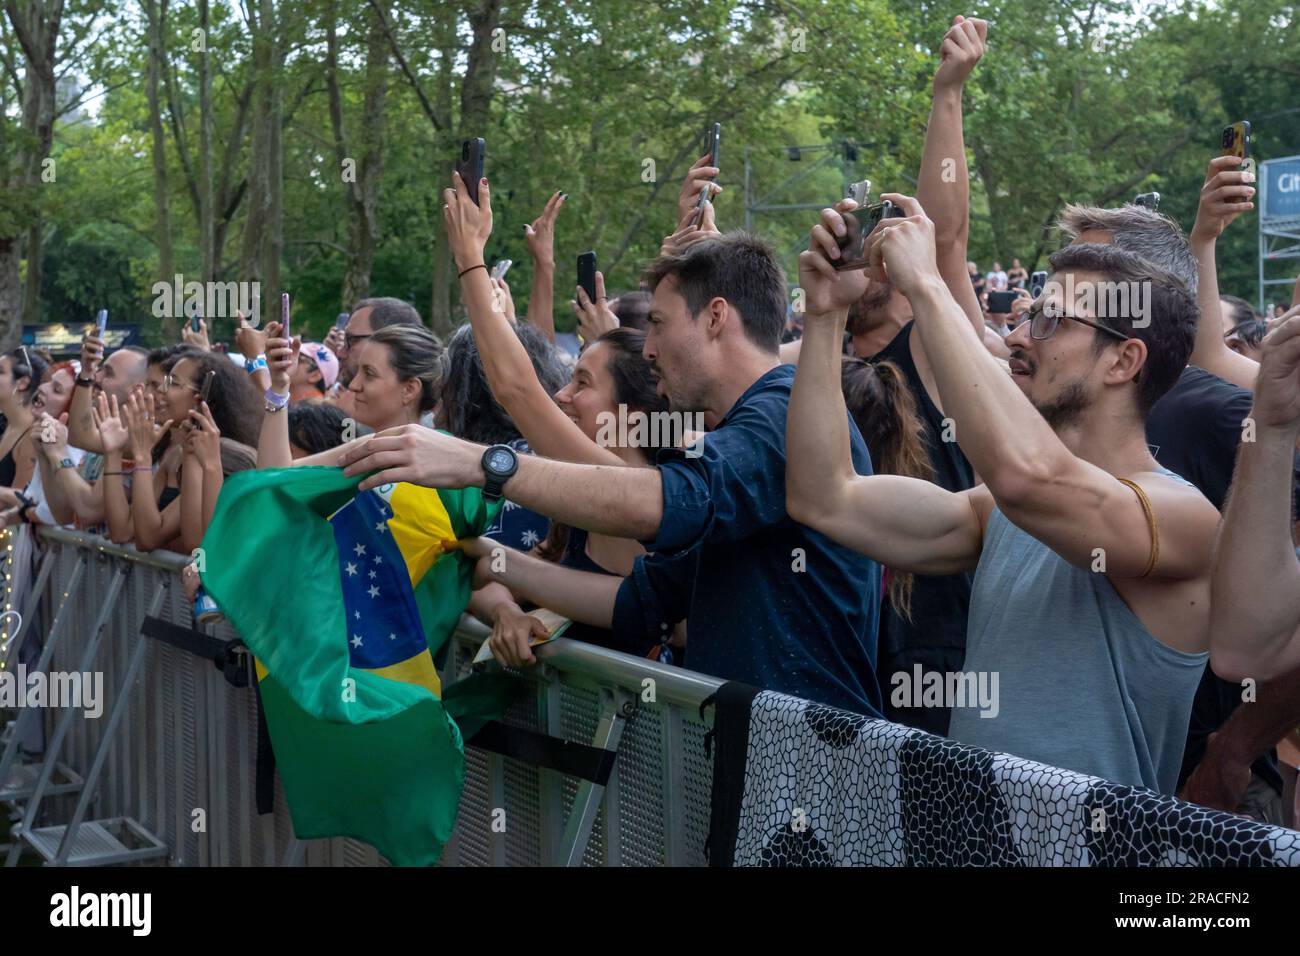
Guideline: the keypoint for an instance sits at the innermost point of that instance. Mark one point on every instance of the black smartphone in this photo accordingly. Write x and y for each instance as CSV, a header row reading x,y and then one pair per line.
x,y
587,274
101,322
1150,200
1000,302
194,319
473,152
342,320
1036,283
859,224
284,315
206,389
712,146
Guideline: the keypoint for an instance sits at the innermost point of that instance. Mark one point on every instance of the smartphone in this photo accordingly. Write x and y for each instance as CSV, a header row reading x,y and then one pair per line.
x,y
1150,200
587,274
1000,302
473,152
859,192
206,390
284,315
101,322
712,146
1236,142
342,320
501,268
860,223
194,319
1037,282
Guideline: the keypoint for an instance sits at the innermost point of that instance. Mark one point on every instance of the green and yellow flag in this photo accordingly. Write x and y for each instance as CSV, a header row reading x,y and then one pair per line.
x,y
345,599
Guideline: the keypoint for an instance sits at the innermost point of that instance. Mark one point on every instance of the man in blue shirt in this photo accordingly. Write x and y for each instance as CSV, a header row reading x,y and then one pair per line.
x,y
770,601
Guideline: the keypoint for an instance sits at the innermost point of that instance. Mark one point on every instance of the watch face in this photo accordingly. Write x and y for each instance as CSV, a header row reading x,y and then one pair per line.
x,y
500,460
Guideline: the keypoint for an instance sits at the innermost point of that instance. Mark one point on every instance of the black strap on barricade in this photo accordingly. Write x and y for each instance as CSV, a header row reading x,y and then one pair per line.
x,y
230,658
264,779
728,744
226,656
552,753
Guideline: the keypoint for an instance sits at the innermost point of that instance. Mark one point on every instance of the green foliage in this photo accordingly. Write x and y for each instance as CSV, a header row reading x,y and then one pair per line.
x,y
1074,102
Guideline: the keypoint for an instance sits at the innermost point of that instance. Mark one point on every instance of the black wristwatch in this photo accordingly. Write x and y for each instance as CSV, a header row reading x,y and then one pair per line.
x,y
85,382
499,463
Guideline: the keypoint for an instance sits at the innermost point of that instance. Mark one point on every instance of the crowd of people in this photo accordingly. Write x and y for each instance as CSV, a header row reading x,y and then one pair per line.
x,y
1094,502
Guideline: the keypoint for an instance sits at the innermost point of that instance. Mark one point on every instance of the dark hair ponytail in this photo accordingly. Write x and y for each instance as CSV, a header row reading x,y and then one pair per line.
x,y
881,404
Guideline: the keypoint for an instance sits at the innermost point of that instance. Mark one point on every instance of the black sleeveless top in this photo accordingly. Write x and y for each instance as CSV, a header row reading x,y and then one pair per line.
x,y
9,467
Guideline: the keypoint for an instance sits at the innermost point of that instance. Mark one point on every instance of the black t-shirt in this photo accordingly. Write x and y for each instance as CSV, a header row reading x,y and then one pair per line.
x,y
935,638
1194,430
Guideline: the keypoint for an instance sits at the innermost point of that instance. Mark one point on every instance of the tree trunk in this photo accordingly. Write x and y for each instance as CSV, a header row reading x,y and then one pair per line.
x,y
361,181
206,215
156,14
37,28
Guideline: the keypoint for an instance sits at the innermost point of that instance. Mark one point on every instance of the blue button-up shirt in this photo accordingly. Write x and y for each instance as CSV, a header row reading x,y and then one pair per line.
x,y
770,601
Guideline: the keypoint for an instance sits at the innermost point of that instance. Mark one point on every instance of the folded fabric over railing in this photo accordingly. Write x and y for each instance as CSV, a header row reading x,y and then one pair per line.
x,y
799,784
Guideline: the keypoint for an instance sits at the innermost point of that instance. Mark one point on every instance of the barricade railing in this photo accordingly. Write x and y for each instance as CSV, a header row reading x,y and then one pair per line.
x,y
182,762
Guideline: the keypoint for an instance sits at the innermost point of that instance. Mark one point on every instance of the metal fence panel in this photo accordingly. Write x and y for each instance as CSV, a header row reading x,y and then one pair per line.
x,y
189,742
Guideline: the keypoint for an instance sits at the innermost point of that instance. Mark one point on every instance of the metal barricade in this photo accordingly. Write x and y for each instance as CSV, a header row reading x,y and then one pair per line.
x,y
183,762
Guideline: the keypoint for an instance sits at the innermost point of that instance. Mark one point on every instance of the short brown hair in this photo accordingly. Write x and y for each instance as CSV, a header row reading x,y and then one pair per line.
x,y
738,267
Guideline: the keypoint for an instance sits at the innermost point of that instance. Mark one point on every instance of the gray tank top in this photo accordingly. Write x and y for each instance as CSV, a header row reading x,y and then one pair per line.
x,y
1082,684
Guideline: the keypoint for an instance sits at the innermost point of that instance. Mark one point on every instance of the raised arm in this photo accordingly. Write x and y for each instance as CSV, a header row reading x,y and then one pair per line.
x,y
1224,184
1067,503
509,370
81,428
943,187
540,237
905,523
1255,588
273,442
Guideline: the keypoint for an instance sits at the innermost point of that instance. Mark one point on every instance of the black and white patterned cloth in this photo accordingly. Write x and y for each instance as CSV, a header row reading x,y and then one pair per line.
x,y
799,784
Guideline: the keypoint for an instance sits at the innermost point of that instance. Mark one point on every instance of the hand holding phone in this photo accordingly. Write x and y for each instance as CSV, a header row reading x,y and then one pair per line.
x,y
501,268
858,226
1000,302
101,322
1235,141
713,146
587,274
473,156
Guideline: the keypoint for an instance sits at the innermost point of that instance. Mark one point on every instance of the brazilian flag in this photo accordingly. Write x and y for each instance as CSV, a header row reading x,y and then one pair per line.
x,y
345,599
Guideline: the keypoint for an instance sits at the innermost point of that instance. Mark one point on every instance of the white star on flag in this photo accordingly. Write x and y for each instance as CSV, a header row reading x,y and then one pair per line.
x,y
356,640
374,591
381,527
351,569
392,637
360,549
373,574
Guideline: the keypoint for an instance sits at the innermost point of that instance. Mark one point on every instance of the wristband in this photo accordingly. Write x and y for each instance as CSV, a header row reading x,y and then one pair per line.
x,y
148,468
84,382
461,275
252,365
275,401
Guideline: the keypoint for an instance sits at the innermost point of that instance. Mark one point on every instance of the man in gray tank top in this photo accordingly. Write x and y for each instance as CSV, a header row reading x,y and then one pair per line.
x,y
1090,602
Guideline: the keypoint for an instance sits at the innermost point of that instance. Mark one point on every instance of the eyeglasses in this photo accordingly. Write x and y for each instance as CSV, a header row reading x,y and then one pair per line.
x,y
350,341
1043,324
170,381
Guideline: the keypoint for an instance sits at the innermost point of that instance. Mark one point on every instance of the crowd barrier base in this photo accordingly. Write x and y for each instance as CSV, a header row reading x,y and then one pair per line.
x,y
167,774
